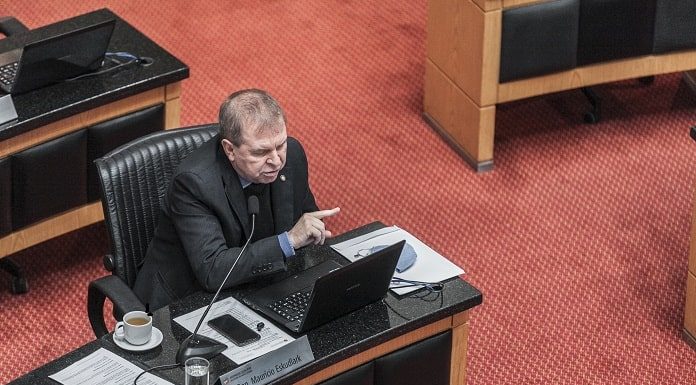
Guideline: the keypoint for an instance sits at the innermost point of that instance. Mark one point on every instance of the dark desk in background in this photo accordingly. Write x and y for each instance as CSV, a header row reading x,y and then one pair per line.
x,y
48,185
417,339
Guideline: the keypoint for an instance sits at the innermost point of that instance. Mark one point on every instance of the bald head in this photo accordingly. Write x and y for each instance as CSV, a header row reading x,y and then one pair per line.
x,y
250,110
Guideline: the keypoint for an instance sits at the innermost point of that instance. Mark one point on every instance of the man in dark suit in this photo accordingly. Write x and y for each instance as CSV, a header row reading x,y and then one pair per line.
x,y
203,221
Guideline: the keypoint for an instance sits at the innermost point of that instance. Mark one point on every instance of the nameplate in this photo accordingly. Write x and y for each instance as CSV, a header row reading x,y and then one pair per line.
x,y
271,365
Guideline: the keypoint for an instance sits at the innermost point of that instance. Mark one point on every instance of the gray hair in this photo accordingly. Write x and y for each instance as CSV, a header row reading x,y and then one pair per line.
x,y
252,108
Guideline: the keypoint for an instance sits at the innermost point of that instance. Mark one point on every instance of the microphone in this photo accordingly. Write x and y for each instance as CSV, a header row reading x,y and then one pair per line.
x,y
197,345
253,209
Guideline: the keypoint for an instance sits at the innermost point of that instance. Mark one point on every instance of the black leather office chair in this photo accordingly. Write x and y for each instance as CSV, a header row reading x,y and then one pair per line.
x,y
134,179
11,26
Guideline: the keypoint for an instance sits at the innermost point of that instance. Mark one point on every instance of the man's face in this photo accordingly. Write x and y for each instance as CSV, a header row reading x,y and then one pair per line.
x,y
261,155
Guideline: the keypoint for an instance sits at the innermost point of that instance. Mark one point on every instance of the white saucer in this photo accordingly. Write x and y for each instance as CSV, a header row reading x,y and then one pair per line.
x,y
154,342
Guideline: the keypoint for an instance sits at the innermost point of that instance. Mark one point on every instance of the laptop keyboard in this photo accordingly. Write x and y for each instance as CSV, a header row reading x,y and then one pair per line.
x,y
292,307
8,73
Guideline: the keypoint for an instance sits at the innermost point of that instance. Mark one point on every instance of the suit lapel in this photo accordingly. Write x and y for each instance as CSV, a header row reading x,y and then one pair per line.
x,y
233,191
282,202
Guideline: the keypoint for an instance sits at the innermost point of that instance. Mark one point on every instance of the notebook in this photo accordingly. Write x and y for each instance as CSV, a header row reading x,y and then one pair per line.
x,y
327,291
56,58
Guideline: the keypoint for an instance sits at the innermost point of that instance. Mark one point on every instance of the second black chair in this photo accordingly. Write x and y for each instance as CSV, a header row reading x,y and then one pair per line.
x,y
134,179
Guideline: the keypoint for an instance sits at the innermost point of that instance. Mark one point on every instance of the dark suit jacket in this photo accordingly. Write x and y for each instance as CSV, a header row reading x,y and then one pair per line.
x,y
203,224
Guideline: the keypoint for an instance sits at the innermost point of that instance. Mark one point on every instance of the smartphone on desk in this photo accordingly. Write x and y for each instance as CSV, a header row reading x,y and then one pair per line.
x,y
234,330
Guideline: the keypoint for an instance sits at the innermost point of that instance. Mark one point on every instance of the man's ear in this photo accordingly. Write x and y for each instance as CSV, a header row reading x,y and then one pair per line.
x,y
228,148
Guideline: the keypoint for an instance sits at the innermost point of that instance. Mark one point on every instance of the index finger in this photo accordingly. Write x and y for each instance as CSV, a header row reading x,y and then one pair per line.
x,y
325,213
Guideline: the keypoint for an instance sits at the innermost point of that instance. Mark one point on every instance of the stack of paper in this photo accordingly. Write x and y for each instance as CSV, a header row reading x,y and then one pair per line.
x,y
271,336
105,368
430,266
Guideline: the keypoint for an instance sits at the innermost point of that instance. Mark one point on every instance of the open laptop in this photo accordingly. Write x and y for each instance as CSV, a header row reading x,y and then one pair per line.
x,y
327,291
56,58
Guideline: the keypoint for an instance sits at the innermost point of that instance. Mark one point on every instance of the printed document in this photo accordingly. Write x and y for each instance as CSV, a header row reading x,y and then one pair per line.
x,y
271,336
105,368
430,266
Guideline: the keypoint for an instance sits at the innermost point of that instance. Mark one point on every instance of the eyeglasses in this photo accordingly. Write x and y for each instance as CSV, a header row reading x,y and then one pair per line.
x,y
362,253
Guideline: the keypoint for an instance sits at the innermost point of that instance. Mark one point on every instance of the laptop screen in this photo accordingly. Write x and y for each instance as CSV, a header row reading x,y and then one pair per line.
x,y
63,56
334,291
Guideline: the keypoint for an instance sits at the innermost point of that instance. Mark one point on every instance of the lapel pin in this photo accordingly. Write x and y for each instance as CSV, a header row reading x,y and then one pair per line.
x,y
282,178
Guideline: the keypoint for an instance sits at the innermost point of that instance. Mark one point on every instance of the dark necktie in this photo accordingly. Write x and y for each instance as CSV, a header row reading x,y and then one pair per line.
x,y
255,188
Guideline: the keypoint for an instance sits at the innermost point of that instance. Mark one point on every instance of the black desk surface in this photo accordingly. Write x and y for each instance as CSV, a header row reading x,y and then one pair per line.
x,y
45,105
330,343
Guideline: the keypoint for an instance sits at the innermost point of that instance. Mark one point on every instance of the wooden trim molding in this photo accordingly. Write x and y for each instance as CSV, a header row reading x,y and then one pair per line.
x,y
50,228
460,318
597,74
378,351
460,341
172,91
521,3
690,306
81,120
490,5
172,106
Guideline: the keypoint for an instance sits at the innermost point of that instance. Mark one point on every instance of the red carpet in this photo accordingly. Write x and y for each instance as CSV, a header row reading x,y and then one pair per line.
x,y
578,239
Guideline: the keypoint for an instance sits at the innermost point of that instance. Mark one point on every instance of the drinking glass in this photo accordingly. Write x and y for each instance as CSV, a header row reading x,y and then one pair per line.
x,y
196,370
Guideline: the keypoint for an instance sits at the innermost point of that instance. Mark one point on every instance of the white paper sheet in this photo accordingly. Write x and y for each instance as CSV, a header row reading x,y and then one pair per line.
x,y
271,336
105,368
430,266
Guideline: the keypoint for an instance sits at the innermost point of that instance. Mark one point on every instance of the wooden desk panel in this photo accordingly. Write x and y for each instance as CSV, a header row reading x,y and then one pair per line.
x,y
51,112
597,74
463,65
690,303
378,351
458,323
464,43
690,309
91,213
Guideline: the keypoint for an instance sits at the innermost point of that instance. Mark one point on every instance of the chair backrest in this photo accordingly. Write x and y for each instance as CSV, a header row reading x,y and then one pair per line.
x,y
134,179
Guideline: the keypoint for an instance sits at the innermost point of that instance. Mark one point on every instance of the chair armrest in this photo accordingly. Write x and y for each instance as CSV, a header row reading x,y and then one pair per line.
x,y
10,26
113,288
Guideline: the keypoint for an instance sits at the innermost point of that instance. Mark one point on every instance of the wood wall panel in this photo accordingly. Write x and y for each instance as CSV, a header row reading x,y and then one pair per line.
x,y
467,125
464,42
596,74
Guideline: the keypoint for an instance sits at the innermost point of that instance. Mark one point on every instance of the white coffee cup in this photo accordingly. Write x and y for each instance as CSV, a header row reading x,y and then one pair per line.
x,y
136,328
